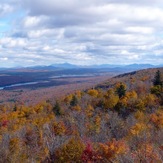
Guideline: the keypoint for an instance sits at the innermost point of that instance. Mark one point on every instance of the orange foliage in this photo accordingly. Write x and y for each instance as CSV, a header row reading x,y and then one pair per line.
x,y
70,152
157,119
93,92
112,149
137,129
76,108
59,128
89,111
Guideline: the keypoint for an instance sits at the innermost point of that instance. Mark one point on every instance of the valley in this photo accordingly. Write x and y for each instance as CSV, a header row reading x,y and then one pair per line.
x,y
30,86
34,84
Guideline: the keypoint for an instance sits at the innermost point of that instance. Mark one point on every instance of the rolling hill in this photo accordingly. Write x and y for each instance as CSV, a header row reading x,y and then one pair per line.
x,y
120,120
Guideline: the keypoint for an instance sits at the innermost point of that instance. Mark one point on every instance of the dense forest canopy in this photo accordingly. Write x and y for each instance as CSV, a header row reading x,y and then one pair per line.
x,y
120,120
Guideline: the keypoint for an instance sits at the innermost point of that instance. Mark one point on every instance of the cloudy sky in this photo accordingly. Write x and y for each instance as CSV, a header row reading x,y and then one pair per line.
x,y
44,32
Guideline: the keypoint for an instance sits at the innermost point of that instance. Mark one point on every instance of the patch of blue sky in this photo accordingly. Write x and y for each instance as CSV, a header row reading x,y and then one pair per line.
x,y
7,22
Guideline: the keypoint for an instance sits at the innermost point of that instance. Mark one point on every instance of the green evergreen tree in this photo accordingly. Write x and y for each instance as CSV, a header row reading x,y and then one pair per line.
x,y
121,90
74,101
57,109
157,80
15,108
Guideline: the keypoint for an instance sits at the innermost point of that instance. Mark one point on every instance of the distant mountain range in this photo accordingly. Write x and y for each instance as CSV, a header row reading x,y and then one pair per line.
x,y
65,65
131,67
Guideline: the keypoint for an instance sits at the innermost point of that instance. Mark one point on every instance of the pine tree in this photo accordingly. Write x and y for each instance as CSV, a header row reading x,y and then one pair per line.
x,y
157,80
121,90
57,109
74,101
15,108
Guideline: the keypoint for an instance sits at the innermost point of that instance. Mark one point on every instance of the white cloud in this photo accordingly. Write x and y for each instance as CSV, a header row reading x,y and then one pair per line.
x,y
4,59
143,30
83,32
5,9
13,43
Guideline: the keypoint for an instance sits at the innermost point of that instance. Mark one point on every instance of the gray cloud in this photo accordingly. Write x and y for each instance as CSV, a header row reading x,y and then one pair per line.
x,y
83,32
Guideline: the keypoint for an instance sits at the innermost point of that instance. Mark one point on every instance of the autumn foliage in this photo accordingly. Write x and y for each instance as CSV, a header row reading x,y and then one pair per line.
x,y
119,123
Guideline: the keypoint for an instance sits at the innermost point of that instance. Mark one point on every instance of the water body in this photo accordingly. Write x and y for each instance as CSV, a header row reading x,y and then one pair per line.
x,y
71,75
52,77
21,84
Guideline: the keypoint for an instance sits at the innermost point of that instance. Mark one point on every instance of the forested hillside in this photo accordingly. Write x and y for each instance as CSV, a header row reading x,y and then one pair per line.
x,y
120,120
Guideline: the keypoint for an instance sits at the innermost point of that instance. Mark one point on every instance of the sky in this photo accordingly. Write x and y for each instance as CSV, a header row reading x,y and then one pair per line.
x,y
44,32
